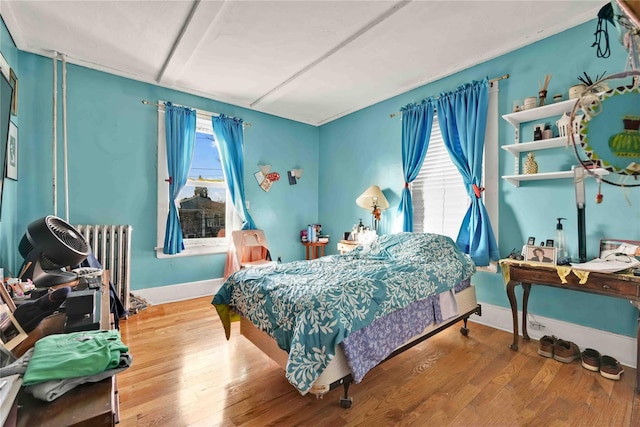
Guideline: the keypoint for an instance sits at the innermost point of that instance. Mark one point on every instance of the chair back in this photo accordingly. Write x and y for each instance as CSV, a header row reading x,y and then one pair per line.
x,y
251,247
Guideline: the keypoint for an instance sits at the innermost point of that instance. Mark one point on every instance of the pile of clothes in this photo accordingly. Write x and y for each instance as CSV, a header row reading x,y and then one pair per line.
x,y
59,363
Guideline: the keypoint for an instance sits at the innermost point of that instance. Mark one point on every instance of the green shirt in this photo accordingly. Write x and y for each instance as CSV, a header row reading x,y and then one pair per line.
x,y
76,354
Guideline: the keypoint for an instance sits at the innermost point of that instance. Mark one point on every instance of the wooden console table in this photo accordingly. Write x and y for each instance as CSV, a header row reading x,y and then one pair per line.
x,y
91,404
525,274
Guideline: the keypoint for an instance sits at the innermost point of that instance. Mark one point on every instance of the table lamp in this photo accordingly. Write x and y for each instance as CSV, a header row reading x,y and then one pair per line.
x,y
373,199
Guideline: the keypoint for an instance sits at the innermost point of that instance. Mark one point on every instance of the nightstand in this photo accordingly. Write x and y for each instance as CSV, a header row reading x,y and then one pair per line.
x,y
314,249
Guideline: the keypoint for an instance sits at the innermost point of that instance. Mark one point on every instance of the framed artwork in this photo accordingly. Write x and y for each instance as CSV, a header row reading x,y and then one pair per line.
x,y
12,152
11,333
540,254
614,247
14,84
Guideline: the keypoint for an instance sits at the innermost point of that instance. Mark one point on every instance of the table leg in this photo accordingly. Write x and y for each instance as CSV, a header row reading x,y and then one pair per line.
x,y
638,357
525,303
514,312
307,254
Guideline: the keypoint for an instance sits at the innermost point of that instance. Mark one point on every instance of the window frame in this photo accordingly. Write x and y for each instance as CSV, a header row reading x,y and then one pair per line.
x,y
199,246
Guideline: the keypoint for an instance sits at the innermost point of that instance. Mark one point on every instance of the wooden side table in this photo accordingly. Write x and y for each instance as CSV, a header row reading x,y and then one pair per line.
x,y
314,249
610,284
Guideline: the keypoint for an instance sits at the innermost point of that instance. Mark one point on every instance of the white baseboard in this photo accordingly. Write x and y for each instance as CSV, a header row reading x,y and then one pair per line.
x,y
179,292
622,347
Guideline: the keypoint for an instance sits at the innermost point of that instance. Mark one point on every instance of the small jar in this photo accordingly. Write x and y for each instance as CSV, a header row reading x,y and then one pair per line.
x,y
557,97
530,102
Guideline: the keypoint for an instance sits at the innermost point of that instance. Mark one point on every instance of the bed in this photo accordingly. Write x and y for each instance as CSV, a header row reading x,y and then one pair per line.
x,y
328,321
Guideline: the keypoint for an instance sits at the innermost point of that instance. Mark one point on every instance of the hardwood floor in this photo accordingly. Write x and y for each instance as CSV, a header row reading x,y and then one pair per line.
x,y
185,373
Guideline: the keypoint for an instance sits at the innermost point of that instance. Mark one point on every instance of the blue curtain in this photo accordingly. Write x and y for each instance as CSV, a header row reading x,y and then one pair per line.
x,y
462,115
228,133
416,130
180,127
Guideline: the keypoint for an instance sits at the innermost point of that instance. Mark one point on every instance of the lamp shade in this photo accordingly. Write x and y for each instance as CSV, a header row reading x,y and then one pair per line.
x,y
372,197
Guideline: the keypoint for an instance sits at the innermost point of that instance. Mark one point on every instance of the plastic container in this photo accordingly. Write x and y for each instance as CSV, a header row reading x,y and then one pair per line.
x,y
561,241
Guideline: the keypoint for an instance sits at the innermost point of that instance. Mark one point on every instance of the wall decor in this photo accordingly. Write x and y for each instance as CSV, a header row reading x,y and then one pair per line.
x,y
292,178
265,177
610,131
14,84
294,175
12,152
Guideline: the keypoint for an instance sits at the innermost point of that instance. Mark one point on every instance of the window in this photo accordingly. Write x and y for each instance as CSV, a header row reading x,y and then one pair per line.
x,y
440,199
206,212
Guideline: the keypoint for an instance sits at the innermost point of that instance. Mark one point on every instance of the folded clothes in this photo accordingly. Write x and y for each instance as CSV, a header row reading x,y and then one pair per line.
x,y
72,355
51,390
18,366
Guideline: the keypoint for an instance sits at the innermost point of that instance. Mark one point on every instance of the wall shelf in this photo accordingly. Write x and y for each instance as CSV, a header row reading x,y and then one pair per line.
x,y
516,179
543,144
549,110
533,114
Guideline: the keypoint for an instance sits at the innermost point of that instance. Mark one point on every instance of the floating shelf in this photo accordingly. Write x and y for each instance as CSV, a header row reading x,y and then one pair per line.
x,y
516,179
532,114
560,141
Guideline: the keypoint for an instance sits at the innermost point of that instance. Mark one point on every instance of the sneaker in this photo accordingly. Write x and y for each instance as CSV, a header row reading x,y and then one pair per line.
x,y
591,359
546,346
610,368
565,351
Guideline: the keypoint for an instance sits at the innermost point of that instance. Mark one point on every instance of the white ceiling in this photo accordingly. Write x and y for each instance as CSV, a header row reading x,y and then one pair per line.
x,y
309,61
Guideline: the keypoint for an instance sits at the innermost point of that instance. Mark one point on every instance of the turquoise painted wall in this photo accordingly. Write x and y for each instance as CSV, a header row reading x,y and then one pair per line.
x,y
112,146
8,220
364,148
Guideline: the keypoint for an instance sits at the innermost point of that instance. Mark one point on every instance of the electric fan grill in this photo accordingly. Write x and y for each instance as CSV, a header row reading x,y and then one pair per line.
x,y
50,244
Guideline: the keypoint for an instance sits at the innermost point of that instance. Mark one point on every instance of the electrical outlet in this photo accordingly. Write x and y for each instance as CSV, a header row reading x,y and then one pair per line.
x,y
247,204
535,325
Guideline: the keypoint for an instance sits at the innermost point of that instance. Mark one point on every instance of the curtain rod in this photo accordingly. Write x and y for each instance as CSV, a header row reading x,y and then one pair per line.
x,y
505,76
207,114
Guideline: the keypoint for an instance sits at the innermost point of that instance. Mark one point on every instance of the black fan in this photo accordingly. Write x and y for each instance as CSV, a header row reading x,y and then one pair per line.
x,y
50,244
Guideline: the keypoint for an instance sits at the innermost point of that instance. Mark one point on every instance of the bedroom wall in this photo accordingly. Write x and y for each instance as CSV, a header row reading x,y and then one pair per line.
x,y
112,144
364,148
9,214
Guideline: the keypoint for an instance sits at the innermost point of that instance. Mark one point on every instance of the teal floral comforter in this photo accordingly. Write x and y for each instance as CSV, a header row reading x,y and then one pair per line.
x,y
309,307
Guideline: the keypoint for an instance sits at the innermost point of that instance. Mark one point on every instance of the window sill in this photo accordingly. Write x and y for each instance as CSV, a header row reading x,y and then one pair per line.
x,y
194,251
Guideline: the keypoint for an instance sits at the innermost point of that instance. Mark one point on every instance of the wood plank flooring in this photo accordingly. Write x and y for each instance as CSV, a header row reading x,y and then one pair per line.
x,y
185,373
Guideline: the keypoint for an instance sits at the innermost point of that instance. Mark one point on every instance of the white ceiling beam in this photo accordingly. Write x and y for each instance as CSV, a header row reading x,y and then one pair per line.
x,y
202,17
368,27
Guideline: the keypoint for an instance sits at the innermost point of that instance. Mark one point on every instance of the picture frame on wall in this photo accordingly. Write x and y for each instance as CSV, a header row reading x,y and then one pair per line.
x,y
12,152
13,79
541,254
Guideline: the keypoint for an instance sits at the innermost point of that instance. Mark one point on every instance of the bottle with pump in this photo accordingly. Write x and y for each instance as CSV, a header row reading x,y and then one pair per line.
x,y
561,241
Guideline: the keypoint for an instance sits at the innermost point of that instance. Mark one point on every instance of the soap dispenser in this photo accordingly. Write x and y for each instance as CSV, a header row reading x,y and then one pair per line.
x,y
561,241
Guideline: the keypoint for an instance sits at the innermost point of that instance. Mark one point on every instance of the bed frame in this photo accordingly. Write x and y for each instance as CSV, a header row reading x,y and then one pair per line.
x,y
337,372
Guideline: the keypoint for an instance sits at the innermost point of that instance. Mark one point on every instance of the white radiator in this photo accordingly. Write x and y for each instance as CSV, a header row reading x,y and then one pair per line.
x,y
111,245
